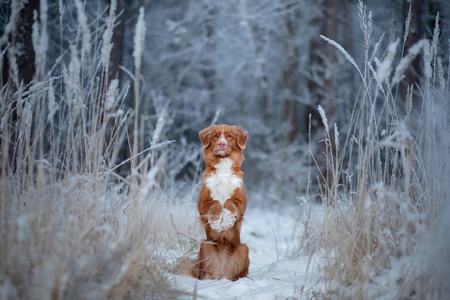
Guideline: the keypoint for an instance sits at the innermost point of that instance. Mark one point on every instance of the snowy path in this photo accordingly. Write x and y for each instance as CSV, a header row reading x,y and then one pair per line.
x,y
273,274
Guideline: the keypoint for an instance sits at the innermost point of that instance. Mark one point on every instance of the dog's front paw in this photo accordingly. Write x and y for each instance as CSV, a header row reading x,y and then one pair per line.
x,y
225,221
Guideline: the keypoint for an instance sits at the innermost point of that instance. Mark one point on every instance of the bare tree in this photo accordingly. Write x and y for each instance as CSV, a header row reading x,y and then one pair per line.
x,y
290,73
20,44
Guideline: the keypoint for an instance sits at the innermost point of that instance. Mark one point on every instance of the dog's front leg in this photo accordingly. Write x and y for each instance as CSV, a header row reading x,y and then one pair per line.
x,y
214,212
237,204
221,219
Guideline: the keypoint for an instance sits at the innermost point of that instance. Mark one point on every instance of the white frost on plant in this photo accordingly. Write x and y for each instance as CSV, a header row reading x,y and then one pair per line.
x,y
61,7
407,23
139,39
336,136
86,34
384,68
35,34
107,35
14,10
159,128
112,94
406,61
343,51
365,21
441,74
72,77
427,61
150,181
436,33
225,221
52,106
39,35
324,117
3,121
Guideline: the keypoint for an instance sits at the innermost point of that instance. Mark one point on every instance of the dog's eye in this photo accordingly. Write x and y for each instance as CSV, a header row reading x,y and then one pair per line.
x,y
216,136
229,135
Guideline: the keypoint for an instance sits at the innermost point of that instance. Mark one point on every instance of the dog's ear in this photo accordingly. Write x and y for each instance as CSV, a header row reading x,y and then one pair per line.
x,y
241,137
205,137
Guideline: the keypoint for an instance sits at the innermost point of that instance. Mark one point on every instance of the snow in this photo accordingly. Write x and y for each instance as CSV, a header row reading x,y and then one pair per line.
x,y
273,273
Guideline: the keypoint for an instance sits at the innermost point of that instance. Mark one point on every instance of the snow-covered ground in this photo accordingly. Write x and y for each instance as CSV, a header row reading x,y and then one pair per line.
x,y
274,273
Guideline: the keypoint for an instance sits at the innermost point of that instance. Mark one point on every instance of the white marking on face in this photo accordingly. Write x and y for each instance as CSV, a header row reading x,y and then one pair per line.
x,y
223,182
222,136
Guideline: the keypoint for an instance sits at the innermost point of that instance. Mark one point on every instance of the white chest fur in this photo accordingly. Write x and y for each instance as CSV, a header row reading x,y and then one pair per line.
x,y
223,182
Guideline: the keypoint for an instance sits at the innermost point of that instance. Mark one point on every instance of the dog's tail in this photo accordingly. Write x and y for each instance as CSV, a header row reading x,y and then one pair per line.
x,y
185,266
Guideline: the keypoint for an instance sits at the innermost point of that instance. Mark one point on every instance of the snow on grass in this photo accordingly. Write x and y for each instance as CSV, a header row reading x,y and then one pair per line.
x,y
374,232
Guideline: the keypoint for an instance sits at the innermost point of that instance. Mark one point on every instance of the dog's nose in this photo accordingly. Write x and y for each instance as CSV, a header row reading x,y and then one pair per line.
x,y
222,144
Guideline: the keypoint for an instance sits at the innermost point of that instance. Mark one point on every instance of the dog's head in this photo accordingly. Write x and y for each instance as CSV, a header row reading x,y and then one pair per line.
x,y
222,140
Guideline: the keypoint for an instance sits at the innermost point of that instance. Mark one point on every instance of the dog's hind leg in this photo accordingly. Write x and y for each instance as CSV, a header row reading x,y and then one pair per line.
x,y
238,263
207,261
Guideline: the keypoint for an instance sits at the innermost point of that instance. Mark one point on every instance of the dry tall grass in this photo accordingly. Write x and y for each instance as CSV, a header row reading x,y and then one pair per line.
x,y
389,181
71,227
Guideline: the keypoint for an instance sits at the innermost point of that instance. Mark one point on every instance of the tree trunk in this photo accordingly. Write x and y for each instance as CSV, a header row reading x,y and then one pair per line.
x,y
20,50
290,76
323,85
111,134
118,41
21,44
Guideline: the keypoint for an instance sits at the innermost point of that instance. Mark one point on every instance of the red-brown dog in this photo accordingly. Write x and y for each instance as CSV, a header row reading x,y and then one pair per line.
x,y
222,203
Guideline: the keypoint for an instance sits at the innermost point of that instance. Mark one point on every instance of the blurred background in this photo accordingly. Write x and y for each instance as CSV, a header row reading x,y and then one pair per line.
x,y
258,64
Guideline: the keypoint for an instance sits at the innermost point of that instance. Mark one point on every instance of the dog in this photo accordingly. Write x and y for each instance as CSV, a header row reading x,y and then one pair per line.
x,y
222,203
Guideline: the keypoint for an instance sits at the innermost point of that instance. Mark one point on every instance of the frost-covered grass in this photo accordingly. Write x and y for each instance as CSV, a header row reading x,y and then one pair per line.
x,y
80,239
387,196
72,227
